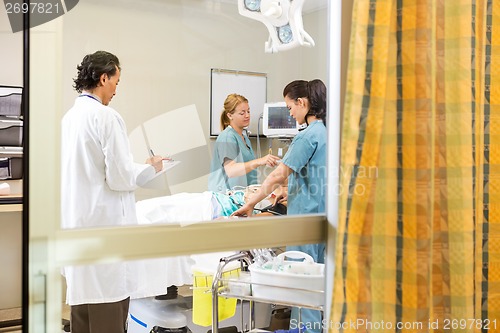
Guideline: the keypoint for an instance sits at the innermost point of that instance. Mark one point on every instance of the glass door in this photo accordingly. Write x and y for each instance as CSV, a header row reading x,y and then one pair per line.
x,y
166,50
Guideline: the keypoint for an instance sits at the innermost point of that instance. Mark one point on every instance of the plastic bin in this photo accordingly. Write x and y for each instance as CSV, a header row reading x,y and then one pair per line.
x,y
166,315
202,296
11,163
10,101
290,281
11,132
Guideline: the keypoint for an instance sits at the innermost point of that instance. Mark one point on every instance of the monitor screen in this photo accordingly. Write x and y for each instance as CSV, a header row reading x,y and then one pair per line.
x,y
278,121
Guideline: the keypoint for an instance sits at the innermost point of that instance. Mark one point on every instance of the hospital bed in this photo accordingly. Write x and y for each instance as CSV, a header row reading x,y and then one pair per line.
x,y
179,209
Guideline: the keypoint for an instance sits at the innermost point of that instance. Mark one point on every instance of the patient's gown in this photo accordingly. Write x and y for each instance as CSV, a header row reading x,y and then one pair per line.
x,y
227,204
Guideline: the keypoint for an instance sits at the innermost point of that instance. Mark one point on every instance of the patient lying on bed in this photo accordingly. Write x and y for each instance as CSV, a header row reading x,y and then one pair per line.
x,y
183,208
187,208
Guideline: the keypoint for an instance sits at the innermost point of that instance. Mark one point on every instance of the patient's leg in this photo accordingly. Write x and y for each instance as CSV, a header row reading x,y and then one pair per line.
x,y
177,209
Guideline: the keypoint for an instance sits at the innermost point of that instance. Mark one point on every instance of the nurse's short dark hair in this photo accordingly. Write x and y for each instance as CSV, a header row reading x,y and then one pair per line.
x,y
92,67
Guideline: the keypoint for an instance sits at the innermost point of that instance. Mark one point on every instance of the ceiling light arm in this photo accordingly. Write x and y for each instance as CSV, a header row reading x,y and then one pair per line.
x,y
283,20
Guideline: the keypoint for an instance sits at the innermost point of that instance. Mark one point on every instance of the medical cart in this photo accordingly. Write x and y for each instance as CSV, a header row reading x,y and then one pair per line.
x,y
225,287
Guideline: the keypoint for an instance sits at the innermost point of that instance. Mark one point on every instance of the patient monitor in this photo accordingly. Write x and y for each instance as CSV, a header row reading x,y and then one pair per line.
x,y
277,121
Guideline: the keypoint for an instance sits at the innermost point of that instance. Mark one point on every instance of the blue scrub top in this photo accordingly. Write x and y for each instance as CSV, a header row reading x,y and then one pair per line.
x,y
307,158
230,146
306,195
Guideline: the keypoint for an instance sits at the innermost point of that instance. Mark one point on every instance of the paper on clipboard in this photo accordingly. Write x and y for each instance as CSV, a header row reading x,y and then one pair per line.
x,y
159,181
167,165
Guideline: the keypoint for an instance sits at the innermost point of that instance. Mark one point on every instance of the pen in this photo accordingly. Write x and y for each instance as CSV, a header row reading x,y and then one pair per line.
x,y
151,151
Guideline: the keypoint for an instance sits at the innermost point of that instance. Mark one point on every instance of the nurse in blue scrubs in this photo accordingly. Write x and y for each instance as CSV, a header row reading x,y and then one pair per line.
x,y
233,162
303,169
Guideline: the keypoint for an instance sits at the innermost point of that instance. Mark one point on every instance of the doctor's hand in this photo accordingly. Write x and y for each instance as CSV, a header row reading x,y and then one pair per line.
x,y
269,160
245,210
156,161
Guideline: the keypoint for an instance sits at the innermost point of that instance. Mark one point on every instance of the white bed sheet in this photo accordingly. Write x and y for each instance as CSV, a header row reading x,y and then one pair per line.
x,y
155,275
182,208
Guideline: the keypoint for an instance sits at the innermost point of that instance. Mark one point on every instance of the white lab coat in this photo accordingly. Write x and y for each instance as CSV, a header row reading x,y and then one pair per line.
x,y
98,182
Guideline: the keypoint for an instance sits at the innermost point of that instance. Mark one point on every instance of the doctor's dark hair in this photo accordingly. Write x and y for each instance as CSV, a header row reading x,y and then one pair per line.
x,y
314,91
230,104
92,67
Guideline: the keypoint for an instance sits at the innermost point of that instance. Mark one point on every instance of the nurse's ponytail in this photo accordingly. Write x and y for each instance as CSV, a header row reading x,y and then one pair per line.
x,y
317,99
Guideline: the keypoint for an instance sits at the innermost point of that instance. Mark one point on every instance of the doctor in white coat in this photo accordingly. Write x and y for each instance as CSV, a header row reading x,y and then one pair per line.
x,y
98,182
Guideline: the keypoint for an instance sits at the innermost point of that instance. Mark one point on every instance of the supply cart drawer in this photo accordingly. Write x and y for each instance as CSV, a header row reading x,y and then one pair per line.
x,y
11,132
10,101
11,163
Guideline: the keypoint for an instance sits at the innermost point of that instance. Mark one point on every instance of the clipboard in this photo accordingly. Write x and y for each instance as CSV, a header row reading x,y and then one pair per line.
x,y
159,181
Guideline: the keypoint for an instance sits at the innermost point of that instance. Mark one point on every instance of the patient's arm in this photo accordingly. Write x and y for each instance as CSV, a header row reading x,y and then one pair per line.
x,y
275,178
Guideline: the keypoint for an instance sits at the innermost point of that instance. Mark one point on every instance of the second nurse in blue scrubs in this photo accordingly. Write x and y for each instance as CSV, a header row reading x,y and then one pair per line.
x,y
233,162
303,168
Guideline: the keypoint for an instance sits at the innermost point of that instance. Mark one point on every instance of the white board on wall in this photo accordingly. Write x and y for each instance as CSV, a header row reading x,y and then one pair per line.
x,y
249,84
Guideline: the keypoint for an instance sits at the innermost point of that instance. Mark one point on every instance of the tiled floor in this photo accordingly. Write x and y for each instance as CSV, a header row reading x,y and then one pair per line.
x,y
12,317
15,313
262,312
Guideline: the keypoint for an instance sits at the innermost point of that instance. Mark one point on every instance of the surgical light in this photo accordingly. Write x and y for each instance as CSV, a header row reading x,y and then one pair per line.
x,y
252,5
283,20
285,34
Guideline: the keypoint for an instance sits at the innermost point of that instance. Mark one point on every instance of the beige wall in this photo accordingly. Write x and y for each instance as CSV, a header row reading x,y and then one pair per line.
x,y
11,62
11,74
10,258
